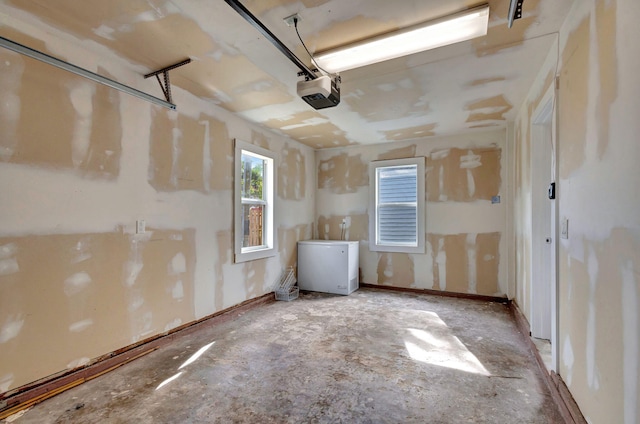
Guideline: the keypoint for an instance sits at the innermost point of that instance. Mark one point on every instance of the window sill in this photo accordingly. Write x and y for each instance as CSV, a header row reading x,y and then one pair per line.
x,y
396,249
254,254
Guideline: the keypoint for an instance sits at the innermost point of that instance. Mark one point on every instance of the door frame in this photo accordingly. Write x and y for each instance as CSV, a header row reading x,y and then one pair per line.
x,y
544,125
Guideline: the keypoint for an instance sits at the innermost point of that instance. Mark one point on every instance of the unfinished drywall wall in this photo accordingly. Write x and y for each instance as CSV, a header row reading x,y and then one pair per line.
x,y
598,190
465,231
80,164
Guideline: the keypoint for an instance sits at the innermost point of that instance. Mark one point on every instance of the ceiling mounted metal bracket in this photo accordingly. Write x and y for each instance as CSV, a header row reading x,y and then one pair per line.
x,y
166,87
69,67
515,11
249,17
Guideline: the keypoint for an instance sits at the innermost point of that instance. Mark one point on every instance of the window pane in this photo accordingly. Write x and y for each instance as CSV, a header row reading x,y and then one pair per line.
x,y
252,177
252,225
397,184
397,224
397,211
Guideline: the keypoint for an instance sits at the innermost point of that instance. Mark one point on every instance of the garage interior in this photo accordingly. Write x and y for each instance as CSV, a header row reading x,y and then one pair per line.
x,y
117,230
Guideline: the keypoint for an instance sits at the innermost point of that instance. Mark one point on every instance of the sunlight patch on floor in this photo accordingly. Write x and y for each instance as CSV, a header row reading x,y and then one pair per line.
x,y
436,345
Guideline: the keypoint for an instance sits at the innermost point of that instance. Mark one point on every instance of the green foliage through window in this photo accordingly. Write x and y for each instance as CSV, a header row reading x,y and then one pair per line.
x,y
252,177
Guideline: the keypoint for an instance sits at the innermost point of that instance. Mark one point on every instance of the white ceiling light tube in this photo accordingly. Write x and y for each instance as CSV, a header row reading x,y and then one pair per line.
x,y
451,29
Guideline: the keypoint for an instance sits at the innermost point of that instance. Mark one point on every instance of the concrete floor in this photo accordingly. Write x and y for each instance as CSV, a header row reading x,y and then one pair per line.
x,y
371,357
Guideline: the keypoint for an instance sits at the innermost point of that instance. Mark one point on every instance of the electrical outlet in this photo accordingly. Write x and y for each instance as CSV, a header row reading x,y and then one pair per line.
x,y
289,19
564,228
140,226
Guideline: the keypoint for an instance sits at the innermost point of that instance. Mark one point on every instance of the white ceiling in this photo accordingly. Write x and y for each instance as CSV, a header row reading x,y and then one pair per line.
x,y
464,87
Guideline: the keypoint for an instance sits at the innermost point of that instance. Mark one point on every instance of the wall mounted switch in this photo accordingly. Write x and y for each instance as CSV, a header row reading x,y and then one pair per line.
x,y
140,226
564,228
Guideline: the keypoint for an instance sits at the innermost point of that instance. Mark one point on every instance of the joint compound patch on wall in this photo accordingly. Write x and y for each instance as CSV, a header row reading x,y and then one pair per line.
x,y
12,66
325,133
593,283
292,174
463,175
401,97
218,148
254,273
490,109
106,131
148,280
287,243
465,263
52,118
411,132
396,269
260,7
8,259
5,382
343,173
484,81
261,140
164,282
247,86
499,36
224,241
176,152
606,24
189,154
400,153
572,104
11,327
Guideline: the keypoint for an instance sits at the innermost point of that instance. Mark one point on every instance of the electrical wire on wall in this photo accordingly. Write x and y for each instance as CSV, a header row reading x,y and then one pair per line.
x,y
343,230
295,24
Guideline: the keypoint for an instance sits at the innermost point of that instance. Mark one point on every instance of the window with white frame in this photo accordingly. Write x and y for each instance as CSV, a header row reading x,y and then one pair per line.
x,y
254,202
397,210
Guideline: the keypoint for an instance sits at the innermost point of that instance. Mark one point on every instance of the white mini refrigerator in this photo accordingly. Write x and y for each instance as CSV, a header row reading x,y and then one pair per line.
x,y
329,266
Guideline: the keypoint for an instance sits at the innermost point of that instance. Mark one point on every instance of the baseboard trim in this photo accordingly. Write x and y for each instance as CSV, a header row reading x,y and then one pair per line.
x,y
437,293
560,393
33,393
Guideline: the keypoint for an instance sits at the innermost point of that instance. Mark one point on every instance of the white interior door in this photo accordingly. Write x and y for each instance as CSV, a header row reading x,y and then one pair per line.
x,y
544,241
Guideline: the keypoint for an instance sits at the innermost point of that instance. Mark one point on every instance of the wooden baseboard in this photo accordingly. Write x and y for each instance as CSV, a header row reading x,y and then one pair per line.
x,y
27,396
559,391
437,293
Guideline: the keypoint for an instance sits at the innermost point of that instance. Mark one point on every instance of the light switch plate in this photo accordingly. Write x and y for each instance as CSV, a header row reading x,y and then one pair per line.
x,y
140,226
564,228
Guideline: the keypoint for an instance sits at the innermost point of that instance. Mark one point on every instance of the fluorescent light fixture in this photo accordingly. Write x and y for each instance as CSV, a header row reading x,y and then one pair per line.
x,y
451,29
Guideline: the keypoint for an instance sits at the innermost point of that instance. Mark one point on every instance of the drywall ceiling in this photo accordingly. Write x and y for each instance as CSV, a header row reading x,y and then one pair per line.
x,y
464,87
